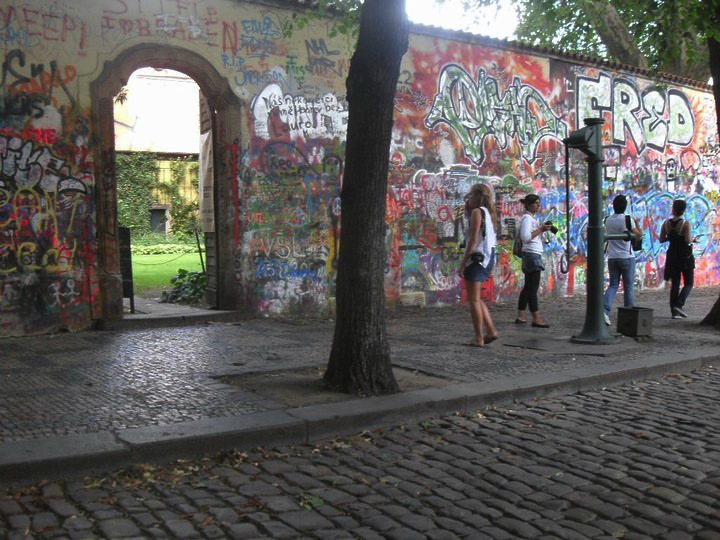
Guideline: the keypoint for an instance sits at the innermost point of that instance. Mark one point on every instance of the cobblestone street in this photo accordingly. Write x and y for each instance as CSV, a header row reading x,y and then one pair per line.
x,y
638,461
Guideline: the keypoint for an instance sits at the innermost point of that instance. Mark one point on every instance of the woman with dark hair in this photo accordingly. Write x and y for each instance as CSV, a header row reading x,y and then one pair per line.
x,y
479,260
531,230
679,259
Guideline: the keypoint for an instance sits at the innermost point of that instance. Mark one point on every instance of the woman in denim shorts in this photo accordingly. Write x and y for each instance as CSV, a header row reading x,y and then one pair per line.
x,y
478,261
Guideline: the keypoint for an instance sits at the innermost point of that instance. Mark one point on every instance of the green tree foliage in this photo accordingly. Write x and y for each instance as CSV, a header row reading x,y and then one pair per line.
x,y
343,17
137,175
642,33
681,37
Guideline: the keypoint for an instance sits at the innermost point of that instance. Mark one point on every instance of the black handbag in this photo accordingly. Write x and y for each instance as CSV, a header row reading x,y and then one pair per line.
x,y
635,242
477,257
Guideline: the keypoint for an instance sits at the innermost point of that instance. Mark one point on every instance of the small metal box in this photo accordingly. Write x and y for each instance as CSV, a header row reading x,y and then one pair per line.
x,y
635,321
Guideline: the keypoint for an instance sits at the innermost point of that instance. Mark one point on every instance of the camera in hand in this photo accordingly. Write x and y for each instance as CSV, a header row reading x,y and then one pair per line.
x,y
553,228
477,257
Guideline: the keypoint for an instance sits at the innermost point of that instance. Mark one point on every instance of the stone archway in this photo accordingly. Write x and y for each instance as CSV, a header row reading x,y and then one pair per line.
x,y
222,289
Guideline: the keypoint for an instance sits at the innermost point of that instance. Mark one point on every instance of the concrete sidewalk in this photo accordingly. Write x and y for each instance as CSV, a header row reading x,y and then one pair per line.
x,y
76,403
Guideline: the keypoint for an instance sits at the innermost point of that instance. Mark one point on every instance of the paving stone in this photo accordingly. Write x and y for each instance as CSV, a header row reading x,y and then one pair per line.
x,y
496,533
581,515
62,508
448,494
106,515
333,534
305,520
346,523
643,526
367,534
677,535
404,534
536,470
585,529
77,523
416,522
331,495
700,508
17,535
44,521
145,519
242,531
276,529
19,521
53,491
455,526
437,534
9,507
381,523
119,528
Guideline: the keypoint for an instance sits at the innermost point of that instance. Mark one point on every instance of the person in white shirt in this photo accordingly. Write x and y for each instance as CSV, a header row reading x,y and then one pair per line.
x,y
531,230
620,257
478,260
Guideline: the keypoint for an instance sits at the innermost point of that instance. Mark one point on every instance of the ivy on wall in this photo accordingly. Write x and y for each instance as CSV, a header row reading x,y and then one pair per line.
x,y
137,175
185,209
140,188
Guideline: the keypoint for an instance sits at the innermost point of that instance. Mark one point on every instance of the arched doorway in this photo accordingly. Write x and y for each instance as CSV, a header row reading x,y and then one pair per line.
x,y
226,121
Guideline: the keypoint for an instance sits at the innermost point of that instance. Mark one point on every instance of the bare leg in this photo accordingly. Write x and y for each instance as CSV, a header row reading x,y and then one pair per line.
x,y
490,330
476,312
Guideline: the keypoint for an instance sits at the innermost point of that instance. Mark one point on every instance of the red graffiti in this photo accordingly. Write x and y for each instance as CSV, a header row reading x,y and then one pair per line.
x,y
47,25
45,136
184,27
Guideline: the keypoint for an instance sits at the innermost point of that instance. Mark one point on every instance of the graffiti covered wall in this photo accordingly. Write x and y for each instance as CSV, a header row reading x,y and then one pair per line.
x,y
47,250
466,112
471,113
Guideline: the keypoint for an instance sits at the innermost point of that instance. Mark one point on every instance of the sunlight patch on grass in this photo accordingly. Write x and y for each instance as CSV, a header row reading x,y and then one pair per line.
x,y
153,272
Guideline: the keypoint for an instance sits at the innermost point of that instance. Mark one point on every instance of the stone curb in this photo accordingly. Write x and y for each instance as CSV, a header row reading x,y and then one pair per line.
x,y
23,462
139,322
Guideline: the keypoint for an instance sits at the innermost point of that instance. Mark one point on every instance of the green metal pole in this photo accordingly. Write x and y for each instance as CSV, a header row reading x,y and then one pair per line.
x,y
594,331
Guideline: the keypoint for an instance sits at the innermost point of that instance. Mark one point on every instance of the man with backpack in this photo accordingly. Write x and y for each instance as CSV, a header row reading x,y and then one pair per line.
x,y
620,256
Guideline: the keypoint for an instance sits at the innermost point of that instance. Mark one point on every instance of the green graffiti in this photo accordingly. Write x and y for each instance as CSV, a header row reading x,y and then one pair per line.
x,y
476,111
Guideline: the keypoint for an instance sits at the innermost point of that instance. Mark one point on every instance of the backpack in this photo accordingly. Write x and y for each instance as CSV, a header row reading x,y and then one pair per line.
x,y
635,242
517,244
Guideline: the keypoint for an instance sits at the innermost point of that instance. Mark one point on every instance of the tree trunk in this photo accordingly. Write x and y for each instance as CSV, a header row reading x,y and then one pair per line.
x,y
360,356
713,318
714,49
614,33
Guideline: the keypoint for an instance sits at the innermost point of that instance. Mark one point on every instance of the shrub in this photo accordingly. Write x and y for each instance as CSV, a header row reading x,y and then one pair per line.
x,y
188,288
164,249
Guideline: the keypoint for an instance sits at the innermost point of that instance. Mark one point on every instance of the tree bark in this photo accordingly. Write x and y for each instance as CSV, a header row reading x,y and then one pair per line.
x,y
615,34
713,318
360,356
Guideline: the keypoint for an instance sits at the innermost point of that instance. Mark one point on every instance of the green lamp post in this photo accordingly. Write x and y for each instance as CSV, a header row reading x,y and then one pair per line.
x,y
589,141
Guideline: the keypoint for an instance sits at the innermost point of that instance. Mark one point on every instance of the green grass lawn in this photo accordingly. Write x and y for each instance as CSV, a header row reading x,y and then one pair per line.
x,y
152,273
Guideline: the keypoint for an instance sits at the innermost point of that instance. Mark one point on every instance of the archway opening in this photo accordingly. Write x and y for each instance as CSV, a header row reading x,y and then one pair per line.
x,y
222,109
157,147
